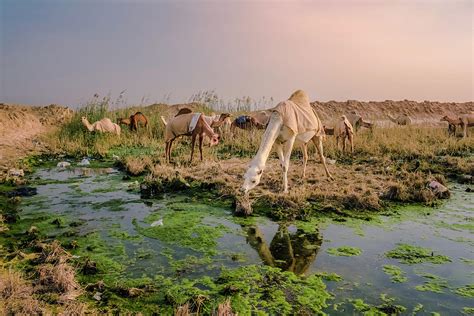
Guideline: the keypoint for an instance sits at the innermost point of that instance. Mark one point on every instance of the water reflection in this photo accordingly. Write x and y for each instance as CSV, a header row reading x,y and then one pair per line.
x,y
288,251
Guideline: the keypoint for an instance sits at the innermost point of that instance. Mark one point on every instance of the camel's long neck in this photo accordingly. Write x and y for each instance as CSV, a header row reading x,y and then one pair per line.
x,y
269,137
87,125
206,128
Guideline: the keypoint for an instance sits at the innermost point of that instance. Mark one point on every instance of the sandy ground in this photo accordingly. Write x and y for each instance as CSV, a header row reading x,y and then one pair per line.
x,y
21,126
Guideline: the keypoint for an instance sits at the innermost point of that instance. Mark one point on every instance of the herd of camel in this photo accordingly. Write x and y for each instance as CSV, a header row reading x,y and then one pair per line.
x,y
291,122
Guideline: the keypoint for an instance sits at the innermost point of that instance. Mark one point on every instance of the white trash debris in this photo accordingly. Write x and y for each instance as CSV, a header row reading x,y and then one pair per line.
x,y
97,296
331,161
157,223
63,164
115,157
16,173
84,162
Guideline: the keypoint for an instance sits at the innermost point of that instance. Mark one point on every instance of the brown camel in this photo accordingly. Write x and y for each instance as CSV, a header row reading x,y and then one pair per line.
x,y
123,121
467,120
189,124
452,123
133,121
344,129
137,118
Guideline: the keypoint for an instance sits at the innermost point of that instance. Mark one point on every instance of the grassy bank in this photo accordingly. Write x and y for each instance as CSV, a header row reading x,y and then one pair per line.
x,y
392,164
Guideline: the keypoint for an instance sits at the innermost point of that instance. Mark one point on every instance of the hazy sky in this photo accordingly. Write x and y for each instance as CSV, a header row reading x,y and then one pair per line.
x,y
65,51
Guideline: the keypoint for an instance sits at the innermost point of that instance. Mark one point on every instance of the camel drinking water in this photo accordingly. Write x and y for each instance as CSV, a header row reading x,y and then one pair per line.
x,y
290,121
105,125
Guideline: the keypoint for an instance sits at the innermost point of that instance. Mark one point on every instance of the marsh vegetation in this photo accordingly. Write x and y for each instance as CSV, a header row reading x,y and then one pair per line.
x,y
129,233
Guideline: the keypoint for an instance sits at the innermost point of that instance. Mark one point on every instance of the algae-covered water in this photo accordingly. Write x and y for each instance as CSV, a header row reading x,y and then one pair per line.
x,y
190,237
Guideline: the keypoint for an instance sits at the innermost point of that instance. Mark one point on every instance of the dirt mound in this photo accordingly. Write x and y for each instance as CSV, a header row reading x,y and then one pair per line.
x,y
426,111
20,126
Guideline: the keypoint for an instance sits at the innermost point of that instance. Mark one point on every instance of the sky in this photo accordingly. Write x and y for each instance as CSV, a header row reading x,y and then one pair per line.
x,y
65,51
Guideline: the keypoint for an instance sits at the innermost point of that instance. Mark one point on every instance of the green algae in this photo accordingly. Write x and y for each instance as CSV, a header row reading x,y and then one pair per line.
x,y
434,284
266,288
466,291
186,229
467,261
329,276
386,308
397,275
252,290
410,254
468,311
123,235
417,308
346,251
114,205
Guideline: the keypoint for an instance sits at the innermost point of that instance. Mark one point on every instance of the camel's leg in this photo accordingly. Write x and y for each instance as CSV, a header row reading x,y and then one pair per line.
x,y
344,143
287,147
305,159
200,145
169,149
166,151
318,143
279,151
351,141
464,126
193,141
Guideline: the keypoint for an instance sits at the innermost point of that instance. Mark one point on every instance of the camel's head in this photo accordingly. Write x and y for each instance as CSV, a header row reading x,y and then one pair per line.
x,y
215,139
84,119
251,178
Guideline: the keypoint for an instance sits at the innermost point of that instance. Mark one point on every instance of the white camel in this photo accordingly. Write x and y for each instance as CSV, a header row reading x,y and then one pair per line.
x,y
291,121
105,125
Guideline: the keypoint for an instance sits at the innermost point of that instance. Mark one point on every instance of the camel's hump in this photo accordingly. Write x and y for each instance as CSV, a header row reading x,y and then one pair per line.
x,y
299,97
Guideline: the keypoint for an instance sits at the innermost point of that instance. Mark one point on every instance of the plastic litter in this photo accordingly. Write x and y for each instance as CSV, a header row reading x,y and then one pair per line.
x,y
84,162
63,164
157,223
97,296
16,173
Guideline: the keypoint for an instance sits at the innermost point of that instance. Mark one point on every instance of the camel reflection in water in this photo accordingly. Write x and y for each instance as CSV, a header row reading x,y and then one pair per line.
x,y
293,252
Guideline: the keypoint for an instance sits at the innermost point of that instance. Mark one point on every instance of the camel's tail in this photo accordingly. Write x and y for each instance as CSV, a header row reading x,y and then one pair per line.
x,y
163,120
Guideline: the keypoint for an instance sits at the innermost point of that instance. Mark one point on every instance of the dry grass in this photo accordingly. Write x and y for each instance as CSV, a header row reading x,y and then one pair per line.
x,y
16,295
224,309
137,165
